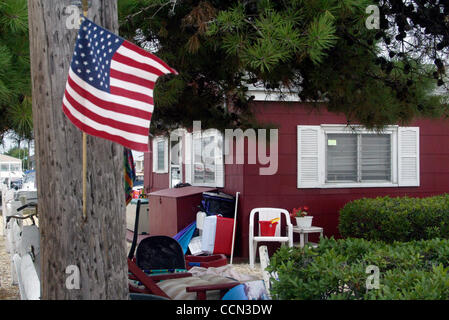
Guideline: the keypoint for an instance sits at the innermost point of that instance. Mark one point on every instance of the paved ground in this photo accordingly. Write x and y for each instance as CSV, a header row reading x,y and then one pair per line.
x,y
7,290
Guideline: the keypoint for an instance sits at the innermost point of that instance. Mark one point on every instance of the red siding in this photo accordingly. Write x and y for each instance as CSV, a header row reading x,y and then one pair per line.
x,y
280,190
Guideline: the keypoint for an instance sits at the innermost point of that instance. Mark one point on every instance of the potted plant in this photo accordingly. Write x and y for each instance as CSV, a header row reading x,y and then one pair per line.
x,y
301,215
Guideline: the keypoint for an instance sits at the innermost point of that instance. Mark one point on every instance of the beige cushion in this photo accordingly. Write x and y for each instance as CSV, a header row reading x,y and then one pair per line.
x,y
176,288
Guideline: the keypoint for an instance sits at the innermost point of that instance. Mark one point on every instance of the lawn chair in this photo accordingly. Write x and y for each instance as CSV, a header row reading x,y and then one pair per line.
x,y
161,258
268,214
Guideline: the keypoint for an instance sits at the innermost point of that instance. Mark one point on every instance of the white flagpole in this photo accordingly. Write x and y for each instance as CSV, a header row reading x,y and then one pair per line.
x,y
235,222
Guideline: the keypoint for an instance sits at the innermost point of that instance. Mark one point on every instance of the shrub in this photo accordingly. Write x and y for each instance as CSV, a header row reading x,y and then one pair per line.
x,y
396,219
336,269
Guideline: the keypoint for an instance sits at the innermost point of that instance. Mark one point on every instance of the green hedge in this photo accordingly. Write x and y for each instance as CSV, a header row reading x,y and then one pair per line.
x,y
396,219
336,269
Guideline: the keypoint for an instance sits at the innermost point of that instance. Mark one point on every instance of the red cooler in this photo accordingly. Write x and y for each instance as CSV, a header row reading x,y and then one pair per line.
x,y
217,235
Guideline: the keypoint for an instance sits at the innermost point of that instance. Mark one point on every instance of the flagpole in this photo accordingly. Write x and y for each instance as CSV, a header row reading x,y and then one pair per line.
x,y
85,10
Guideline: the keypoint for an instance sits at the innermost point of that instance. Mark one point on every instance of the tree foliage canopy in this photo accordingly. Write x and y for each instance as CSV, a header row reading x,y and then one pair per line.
x,y
15,79
319,48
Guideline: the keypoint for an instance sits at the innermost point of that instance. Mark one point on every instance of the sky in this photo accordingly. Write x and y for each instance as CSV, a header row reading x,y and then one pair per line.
x,y
8,144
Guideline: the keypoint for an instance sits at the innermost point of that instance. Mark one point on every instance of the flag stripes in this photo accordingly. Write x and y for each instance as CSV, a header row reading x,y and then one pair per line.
x,y
109,91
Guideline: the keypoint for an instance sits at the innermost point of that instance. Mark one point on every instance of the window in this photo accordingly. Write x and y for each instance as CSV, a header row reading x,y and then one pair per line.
x,y
4,167
175,161
204,158
160,155
15,167
358,157
336,156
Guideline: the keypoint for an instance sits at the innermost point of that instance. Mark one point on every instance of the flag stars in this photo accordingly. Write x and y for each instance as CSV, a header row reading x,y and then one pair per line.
x,y
94,50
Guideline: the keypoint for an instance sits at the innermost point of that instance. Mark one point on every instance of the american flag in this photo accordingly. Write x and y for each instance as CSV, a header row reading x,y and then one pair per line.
x,y
109,91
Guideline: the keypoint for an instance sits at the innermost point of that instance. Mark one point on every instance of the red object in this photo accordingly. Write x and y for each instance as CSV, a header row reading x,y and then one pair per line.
x,y
215,261
151,287
171,210
223,236
267,228
280,190
117,106
136,194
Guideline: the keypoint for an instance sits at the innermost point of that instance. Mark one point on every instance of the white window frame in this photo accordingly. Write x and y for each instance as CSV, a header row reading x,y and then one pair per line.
x,y
316,152
181,136
219,158
157,140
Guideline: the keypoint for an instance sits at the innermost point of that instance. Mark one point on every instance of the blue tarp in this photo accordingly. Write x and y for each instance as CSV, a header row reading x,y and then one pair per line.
x,y
185,235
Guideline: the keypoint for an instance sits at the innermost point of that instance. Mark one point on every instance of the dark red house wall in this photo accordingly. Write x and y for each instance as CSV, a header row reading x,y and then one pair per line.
x,y
280,190
153,181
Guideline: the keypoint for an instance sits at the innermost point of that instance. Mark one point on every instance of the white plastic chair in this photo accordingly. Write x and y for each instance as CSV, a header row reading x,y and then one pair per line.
x,y
267,214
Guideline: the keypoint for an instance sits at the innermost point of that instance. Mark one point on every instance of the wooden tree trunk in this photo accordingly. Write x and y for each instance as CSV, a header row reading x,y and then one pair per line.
x,y
97,247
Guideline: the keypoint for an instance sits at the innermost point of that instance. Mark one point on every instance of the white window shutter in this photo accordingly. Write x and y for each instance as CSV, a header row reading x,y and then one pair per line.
x,y
165,155
309,153
408,156
154,155
219,163
188,157
156,140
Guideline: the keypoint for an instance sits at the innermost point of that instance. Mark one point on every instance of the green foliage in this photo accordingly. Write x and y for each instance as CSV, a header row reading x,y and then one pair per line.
x,y
15,79
21,117
322,48
18,153
336,269
321,37
396,219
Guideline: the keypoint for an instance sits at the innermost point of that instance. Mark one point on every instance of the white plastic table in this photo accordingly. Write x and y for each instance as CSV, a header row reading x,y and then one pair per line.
x,y
304,233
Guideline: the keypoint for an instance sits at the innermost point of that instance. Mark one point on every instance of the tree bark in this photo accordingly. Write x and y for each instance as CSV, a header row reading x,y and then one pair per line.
x,y
97,247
